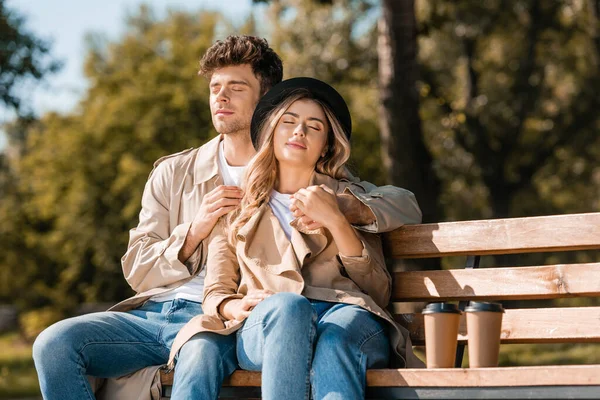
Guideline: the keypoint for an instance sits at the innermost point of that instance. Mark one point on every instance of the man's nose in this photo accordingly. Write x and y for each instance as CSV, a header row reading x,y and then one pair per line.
x,y
223,96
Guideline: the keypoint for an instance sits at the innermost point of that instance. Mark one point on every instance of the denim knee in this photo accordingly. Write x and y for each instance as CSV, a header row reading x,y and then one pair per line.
x,y
52,344
207,346
290,306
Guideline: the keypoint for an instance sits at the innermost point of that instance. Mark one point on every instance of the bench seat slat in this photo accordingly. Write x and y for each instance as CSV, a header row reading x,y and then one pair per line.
x,y
497,236
531,325
455,377
515,283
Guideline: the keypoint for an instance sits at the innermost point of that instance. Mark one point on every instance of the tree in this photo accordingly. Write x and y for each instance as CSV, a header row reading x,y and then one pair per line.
x,y
22,56
334,44
82,175
509,95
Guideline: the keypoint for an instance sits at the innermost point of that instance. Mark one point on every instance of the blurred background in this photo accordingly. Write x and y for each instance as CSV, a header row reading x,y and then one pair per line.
x,y
484,109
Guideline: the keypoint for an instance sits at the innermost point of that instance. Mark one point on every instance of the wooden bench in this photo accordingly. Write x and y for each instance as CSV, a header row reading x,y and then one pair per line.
x,y
474,239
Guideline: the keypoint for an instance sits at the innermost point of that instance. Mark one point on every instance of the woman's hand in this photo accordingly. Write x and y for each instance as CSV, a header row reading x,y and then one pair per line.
x,y
239,309
319,204
319,207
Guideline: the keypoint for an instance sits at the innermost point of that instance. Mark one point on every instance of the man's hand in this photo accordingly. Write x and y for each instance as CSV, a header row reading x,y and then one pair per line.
x,y
240,309
215,204
355,211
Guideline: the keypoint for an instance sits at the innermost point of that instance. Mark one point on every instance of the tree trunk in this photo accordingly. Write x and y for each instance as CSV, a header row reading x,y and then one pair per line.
x,y
406,159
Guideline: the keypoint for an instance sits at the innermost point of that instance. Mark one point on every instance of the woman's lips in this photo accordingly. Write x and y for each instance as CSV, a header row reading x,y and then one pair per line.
x,y
296,145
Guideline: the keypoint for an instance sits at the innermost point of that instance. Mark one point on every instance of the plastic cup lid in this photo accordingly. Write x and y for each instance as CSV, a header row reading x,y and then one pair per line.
x,y
475,306
441,308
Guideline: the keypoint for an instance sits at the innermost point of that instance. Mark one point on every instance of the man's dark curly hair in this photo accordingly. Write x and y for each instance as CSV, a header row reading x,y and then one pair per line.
x,y
243,49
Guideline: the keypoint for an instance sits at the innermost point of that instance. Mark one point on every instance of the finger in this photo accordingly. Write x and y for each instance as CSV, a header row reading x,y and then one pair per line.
x,y
228,191
302,194
222,211
293,208
327,189
300,205
228,187
242,316
306,220
222,188
250,303
314,225
223,203
262,294
297,213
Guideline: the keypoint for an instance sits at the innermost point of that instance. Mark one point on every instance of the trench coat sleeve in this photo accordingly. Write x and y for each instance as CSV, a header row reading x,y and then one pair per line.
x,y
151,259
369,271
222,273
392,206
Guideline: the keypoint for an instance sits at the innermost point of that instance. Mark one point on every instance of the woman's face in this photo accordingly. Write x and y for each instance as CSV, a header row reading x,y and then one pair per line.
x,y
300,136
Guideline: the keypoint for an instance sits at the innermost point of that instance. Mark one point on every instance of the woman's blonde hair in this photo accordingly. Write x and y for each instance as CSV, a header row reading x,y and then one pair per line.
x,y
261,172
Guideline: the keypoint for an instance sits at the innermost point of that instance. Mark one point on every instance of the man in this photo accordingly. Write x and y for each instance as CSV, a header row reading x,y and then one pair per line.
x,y
184,197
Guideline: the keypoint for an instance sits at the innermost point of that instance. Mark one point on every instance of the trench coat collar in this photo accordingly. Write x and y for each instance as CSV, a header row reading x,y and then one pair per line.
x,y
207,162
305,243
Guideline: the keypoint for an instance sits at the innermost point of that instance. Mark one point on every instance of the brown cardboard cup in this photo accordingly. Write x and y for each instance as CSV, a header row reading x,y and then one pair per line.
x,y
441,333
484,325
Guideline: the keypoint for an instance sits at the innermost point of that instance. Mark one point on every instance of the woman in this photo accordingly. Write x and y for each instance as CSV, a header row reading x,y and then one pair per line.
x,y
307,300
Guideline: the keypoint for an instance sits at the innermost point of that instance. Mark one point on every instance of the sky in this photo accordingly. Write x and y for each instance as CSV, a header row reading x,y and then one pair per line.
x,y
65,23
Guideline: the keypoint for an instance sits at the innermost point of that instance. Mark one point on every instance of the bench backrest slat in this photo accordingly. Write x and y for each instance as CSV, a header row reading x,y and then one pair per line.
x,y
528,325
518,283
499,236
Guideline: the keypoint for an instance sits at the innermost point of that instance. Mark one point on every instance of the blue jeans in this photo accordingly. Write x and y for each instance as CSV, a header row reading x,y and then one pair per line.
x,y
112,344
300,344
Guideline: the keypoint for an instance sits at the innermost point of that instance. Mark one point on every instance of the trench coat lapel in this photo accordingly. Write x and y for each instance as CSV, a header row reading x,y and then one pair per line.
x,y
256,239
310,243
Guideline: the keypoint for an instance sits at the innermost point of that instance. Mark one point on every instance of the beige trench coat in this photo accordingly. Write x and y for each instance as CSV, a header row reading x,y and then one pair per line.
x,y
308,264
172,196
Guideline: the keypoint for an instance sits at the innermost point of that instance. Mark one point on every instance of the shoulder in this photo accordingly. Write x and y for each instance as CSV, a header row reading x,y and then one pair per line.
x,y
181,157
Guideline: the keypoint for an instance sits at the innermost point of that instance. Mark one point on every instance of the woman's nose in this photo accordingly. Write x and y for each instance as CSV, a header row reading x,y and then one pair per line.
x,y
300,130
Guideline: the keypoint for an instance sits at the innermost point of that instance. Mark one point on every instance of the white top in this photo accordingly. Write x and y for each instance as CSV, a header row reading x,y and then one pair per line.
x,y
280,204
193,289
232,176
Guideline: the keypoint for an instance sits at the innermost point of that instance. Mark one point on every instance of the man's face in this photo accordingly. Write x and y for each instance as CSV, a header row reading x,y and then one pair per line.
x,y
234,93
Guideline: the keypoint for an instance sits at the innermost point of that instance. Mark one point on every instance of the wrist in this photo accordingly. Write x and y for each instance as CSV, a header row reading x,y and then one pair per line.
x,y
337,222
197,232
225,308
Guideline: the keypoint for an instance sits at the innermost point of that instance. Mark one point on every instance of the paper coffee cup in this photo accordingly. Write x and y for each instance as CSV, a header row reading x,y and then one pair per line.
x,y
441,333
484,326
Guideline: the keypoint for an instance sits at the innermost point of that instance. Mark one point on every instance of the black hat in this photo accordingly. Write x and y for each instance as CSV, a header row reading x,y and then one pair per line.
x,y
318,89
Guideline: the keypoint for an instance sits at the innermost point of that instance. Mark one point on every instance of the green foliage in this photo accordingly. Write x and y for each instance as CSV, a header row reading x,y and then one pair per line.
x,y
74,182
17,374
33,322
22,56
77,185
509,100
335,44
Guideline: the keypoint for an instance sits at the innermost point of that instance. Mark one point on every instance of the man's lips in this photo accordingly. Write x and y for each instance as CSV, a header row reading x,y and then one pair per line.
x,y
224,112
296,145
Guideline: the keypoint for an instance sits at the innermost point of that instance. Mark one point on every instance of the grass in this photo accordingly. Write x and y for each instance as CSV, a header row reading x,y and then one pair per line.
x,y
18,378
